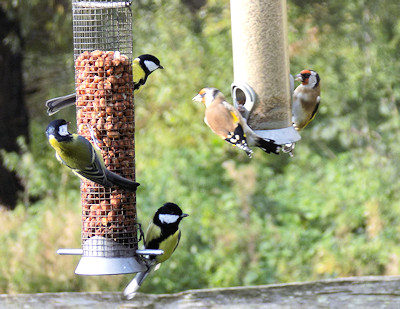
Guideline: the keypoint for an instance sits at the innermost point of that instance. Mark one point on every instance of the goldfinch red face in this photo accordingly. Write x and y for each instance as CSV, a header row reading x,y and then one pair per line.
x,y
308,78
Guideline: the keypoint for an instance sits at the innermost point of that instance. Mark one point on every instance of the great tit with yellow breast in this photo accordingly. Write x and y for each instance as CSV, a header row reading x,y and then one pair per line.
x,y
83,158
142,67
227,122
162,233
306,99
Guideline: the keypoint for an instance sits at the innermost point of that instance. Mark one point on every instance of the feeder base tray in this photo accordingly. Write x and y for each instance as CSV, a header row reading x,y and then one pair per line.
x,y
99,262
96,266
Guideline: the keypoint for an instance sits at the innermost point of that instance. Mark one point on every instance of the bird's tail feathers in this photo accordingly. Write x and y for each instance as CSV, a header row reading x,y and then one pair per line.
x,y
56,104
246,148
134,285
122,182
238,139
267,145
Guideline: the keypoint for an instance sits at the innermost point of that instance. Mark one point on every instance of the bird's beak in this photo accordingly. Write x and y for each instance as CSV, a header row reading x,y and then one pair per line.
x,y
161,67
184,215
198,98
299,78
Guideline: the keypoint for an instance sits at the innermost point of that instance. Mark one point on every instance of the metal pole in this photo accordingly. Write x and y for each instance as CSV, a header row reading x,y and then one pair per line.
x,y
261,64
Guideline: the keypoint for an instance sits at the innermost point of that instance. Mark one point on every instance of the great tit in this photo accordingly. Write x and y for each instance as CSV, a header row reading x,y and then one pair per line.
x,y
306,99
142,67
82,158
162,233
227,122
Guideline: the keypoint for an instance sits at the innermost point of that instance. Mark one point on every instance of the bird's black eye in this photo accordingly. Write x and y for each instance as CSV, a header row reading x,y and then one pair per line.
x,y
306,75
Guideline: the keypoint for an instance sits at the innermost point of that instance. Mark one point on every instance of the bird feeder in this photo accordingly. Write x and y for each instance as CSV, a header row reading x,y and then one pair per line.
x,y
102,32
261,87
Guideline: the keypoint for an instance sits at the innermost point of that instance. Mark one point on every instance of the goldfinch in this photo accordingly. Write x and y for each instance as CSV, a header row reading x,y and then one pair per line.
x,y
306,98
77,153
163,233
227,122
142,67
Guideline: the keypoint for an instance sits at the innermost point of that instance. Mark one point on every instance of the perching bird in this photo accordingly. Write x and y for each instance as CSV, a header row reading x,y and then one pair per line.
x,y
142,67
227,122
163,233
82,158
306,98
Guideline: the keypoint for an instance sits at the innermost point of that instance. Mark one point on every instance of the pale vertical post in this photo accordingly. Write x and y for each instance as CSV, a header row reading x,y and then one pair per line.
x,y
260,59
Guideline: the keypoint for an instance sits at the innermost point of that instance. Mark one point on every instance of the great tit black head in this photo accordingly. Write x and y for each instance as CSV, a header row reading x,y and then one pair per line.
x,y
149,63
59,130
168,214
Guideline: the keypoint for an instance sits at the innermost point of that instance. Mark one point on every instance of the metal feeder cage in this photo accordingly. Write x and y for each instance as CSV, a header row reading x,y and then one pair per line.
x,y
102,32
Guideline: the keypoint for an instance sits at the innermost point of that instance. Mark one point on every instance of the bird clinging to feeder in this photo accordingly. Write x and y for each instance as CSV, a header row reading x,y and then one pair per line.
x,y
142,67
77,153
162,233
306,99
227,122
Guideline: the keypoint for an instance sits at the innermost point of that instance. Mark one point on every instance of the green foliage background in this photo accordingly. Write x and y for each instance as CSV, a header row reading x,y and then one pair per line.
x,y
331,211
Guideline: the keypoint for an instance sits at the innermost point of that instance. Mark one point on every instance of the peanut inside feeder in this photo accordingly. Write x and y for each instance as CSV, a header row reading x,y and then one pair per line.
x,y
105,103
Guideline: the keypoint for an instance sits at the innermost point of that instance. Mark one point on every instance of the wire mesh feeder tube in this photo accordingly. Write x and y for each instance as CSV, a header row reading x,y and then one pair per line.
x,y
105,115
261,65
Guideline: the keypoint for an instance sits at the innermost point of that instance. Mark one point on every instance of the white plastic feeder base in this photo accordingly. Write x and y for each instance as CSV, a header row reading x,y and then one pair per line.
x,y
280,136
94,265
101,260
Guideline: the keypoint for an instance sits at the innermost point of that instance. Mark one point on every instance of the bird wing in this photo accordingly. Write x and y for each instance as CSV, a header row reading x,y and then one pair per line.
x,y
93,168
226,121
153,233
221,119
315,109
139,76
305,105
236,117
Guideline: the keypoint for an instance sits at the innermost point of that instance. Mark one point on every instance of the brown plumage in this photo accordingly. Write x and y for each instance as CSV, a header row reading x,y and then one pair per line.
x,y
306,99
226,121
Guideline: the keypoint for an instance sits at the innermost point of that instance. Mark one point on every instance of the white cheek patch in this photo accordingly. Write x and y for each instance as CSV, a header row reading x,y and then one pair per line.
x,y
63,130
167,219
208,98
150,65
312,81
